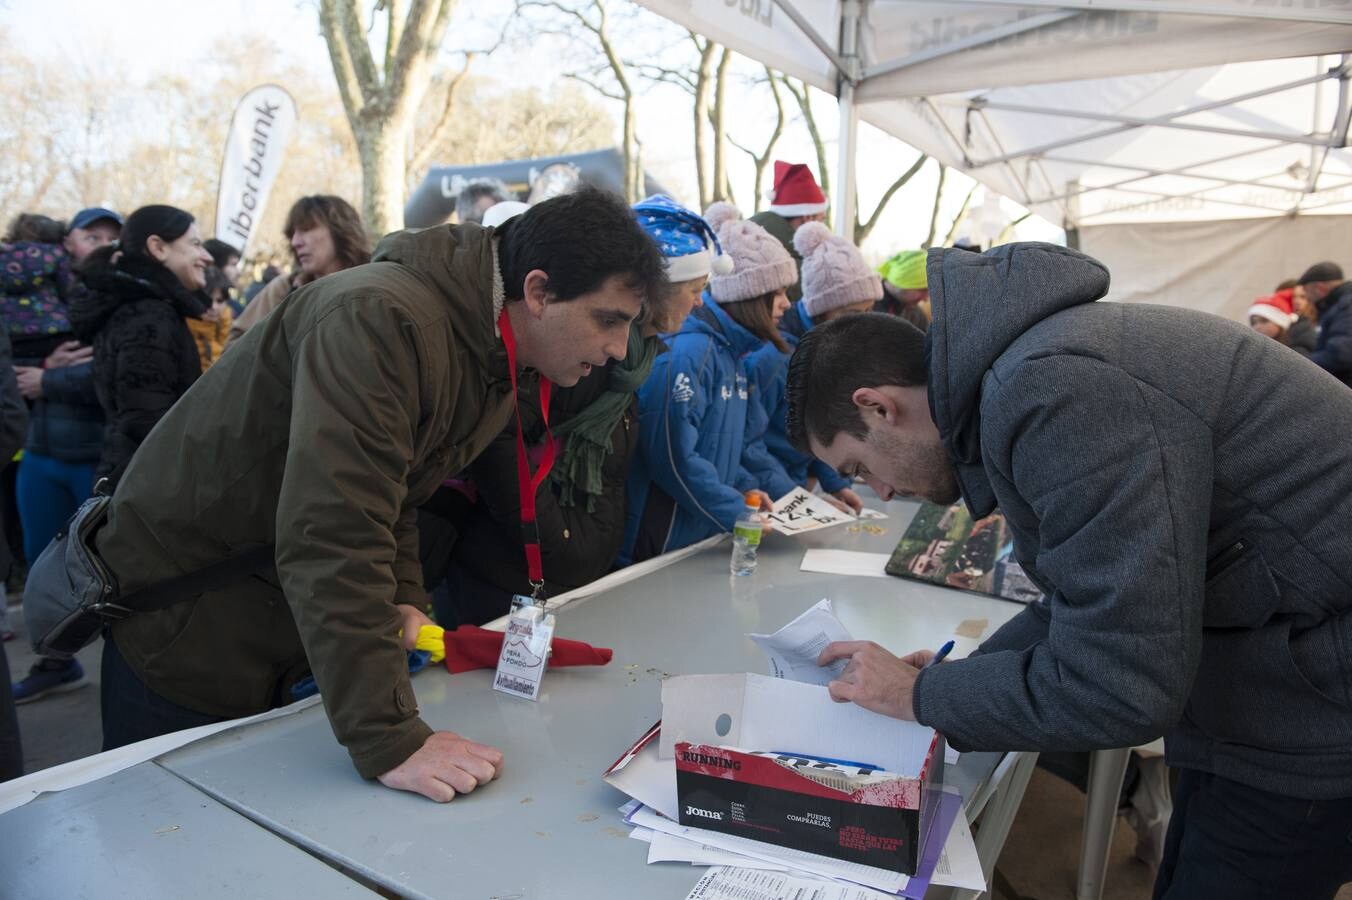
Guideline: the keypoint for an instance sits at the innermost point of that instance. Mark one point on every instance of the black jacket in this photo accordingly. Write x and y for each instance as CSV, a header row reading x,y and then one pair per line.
x,y
1302,337
577,547
13,421
1333,351
144,355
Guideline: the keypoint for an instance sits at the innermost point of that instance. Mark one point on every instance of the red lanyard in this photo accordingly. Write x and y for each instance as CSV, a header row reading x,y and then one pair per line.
x,y
528,484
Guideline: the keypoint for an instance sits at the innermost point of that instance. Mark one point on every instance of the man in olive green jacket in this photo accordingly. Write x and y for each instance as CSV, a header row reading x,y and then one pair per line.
x,y
321,432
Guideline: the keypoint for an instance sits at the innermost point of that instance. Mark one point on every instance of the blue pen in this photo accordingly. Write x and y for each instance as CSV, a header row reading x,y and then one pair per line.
x,y
946,649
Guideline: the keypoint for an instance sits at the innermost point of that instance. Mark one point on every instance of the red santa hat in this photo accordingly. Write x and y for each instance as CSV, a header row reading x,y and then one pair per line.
x,y
795,192
1276,308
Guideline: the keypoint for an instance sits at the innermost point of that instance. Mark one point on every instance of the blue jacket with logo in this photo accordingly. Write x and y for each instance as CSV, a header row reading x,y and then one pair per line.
x,y
692,432
769,371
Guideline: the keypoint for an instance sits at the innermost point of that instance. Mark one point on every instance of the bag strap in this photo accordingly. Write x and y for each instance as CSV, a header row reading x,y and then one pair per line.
x,y
209,578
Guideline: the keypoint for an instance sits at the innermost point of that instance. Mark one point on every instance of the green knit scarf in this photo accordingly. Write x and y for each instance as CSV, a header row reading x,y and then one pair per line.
x,y
586,436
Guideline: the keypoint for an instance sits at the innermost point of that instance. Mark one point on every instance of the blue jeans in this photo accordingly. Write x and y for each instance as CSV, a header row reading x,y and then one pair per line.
x,y
1229,840
48,492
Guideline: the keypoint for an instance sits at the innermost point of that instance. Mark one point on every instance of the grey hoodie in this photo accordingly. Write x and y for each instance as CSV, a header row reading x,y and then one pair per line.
x,y
1181,488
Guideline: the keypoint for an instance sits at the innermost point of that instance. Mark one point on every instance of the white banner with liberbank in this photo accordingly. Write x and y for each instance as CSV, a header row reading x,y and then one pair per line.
x,y
254,150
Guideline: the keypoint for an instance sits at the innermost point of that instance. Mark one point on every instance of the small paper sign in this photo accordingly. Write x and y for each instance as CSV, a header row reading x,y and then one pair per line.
x,y
800,511
525,649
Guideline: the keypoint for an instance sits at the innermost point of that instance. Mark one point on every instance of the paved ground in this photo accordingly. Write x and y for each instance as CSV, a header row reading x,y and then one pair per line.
x,y
1039,859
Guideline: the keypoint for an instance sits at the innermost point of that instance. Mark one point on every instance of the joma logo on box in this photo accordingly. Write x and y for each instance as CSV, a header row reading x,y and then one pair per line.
x,y
704,813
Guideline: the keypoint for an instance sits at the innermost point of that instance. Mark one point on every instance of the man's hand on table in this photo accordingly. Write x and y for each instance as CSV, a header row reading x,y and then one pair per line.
x,y
444,766
874,678
410,620
846,500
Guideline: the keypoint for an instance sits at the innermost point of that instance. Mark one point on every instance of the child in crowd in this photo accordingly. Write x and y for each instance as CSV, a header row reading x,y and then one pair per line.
x,y
1274,316
836,282
211,329
695,463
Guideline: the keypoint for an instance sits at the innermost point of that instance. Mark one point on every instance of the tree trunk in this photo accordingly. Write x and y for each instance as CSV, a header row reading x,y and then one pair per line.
x,y
934,213
381,147
702,80
722,190
633,166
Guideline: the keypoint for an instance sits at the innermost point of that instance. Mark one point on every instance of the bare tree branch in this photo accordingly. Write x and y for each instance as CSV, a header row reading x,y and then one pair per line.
x,y
344,72
862,231
394,15
802,94
1008,231
423,154
934,212
960,217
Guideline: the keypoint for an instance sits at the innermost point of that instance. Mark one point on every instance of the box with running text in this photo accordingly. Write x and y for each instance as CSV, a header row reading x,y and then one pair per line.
x,y
779,761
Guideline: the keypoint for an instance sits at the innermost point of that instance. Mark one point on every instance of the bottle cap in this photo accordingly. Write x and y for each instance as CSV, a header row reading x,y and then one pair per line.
x,y
752,498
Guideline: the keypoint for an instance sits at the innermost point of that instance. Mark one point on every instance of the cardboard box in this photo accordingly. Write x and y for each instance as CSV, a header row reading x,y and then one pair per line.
x,y
765,758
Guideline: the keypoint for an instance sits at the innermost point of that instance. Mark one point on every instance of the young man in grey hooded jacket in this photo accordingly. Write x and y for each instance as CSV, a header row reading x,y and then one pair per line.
x,y
1181,489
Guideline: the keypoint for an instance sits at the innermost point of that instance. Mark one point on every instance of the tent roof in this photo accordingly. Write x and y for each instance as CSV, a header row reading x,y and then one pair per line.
x,y
1087,112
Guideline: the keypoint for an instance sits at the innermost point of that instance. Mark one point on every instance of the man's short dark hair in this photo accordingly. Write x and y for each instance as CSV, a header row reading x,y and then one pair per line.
x,y
1324,271
579,240
839,357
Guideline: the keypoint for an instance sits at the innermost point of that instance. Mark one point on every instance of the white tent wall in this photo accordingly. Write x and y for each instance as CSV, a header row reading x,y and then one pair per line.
x,y
1219,266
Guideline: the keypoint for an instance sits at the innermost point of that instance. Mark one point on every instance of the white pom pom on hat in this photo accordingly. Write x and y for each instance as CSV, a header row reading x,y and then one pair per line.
x,y
723,265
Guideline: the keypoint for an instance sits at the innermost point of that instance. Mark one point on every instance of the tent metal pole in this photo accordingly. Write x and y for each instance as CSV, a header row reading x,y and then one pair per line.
x,y
846,189
1165,121
972,40
1232,10
1338,137
815,37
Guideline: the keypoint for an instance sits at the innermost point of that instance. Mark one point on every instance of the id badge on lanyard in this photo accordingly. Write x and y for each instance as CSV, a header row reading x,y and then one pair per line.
x,y
530,628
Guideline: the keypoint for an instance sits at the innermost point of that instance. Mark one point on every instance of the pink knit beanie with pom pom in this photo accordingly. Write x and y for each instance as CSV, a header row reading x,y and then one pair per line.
x,y
834,271
762,265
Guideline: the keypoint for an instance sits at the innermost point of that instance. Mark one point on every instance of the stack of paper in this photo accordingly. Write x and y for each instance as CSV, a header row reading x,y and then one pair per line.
x,y
753,870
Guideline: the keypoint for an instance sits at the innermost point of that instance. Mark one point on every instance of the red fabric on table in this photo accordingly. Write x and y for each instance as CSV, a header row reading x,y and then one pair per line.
x,y
471,647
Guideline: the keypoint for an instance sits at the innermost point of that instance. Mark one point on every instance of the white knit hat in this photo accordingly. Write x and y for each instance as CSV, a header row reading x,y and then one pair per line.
x,y
763,266
834,271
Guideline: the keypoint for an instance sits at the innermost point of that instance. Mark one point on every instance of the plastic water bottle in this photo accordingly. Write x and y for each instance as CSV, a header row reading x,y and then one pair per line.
x,y
746,536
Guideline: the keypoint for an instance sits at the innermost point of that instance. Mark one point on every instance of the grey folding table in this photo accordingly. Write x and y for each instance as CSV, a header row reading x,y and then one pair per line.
x,y
144,833
549,827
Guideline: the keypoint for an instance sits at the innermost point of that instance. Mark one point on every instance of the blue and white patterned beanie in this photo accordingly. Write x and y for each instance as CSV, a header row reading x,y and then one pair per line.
x,y
687,243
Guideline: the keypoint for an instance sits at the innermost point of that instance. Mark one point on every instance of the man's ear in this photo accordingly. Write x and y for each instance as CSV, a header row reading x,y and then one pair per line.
x,y
873,403
535,291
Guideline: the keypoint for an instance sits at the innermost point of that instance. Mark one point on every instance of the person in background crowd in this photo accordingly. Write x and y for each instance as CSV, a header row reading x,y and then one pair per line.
x,y
695,464
225,259
326,236
1332,297
141,292
836,282
1303,335
476,198
55,374
581,512
1273,317
795,200
13,424
269,273
317,438
906,288
211,329
1194,589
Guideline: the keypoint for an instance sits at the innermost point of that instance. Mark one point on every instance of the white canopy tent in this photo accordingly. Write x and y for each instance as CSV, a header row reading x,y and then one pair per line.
x,y
1088,112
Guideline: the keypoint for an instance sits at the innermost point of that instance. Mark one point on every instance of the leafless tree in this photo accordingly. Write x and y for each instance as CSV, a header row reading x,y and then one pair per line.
x,y
760,161
382,97
863,229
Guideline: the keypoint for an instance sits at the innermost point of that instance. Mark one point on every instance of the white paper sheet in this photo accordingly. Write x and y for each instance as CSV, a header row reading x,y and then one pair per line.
x,y
743,883
844,562
793,649
669,848
800,511
855,873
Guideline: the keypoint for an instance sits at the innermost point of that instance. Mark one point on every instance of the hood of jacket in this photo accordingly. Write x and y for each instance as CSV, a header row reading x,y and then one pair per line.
x,y
130,280
710,319
460,263
982,303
